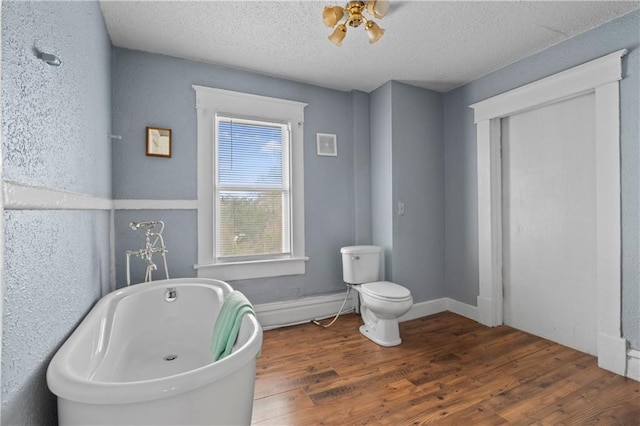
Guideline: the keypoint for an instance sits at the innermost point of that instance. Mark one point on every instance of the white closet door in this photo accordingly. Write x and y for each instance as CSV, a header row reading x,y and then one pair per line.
x,y
549,222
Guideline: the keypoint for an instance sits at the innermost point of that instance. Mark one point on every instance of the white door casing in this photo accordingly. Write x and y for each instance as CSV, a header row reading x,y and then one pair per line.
x,y
601,77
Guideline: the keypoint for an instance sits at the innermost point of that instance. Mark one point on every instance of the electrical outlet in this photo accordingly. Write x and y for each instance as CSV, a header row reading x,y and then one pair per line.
x,y
400,208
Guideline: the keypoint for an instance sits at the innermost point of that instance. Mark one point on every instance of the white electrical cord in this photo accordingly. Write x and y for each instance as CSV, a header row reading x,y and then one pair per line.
x,y
316,322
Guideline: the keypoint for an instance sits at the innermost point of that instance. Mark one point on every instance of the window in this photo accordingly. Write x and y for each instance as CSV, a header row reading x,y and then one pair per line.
x,y
250,185
251,189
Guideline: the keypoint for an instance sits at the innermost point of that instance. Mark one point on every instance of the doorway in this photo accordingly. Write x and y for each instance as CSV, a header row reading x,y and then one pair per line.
x,y
598,78
549,222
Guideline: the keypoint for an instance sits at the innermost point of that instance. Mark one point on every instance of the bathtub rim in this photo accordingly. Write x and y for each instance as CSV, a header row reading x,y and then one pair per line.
x,y
65,384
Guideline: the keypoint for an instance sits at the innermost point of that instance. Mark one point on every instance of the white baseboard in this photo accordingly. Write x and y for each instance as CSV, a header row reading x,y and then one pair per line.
x,y
423,309
430,307
300,311
462,309
633,364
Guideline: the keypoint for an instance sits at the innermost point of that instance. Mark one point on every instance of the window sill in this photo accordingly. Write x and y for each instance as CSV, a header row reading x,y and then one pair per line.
x,y
252,269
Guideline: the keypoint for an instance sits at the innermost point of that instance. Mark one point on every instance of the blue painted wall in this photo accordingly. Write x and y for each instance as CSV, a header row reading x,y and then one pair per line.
x,y
151,89
418,182
460,156
180,241
407,166
54,132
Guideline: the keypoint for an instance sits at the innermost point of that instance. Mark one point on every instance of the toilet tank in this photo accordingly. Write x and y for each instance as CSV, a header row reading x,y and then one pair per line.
x,y
361,264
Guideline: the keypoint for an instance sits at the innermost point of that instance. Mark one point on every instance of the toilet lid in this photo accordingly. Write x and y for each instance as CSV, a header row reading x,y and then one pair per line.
x,y
386,290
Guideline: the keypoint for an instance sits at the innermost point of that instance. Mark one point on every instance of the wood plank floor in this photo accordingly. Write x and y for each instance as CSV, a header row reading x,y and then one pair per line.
x,y
448,370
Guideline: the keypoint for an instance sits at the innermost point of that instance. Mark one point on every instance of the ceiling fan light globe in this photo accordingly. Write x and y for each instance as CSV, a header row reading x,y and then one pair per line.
x,y
338,35
374,32
378,8
331,15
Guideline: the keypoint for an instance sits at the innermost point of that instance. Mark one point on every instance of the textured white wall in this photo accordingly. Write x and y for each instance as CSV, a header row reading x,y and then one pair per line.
x,y
55,125
54,133
56,264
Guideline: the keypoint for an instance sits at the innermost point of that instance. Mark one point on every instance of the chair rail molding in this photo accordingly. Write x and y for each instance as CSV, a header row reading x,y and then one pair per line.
x,y
19,196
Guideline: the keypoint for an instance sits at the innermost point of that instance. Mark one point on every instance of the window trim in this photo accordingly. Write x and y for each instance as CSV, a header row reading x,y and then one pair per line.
x,y
209,102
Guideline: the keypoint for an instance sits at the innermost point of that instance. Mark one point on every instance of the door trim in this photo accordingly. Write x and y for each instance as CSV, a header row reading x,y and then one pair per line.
x,y
600,76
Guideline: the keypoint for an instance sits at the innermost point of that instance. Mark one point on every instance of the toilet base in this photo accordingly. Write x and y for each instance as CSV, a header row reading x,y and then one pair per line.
x,y
384,333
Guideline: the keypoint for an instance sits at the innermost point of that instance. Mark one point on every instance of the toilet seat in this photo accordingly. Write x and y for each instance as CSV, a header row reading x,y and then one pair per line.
x,y
386,290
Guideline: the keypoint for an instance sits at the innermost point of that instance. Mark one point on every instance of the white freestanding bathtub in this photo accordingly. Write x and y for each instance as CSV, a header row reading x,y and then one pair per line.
x,y
142,356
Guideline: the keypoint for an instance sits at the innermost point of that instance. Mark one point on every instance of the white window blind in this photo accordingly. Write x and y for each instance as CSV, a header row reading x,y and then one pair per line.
x,y
252,189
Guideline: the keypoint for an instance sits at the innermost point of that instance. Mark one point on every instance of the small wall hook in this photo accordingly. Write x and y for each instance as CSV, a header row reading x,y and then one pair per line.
x,y
50,59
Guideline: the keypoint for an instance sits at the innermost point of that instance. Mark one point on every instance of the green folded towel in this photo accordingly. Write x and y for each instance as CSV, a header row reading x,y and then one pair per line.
x,y
227,326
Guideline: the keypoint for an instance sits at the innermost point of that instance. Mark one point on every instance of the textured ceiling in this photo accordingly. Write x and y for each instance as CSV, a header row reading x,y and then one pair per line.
x,y
437,45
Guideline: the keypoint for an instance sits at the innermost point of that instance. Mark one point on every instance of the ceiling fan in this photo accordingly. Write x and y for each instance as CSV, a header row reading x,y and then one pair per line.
x,y
332,15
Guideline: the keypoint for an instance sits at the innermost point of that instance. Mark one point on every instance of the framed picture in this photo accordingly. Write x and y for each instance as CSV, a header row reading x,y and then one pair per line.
x,y
158,142
327,144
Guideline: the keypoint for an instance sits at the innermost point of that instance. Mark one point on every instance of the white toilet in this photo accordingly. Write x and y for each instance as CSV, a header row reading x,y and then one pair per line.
x,y
381,302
